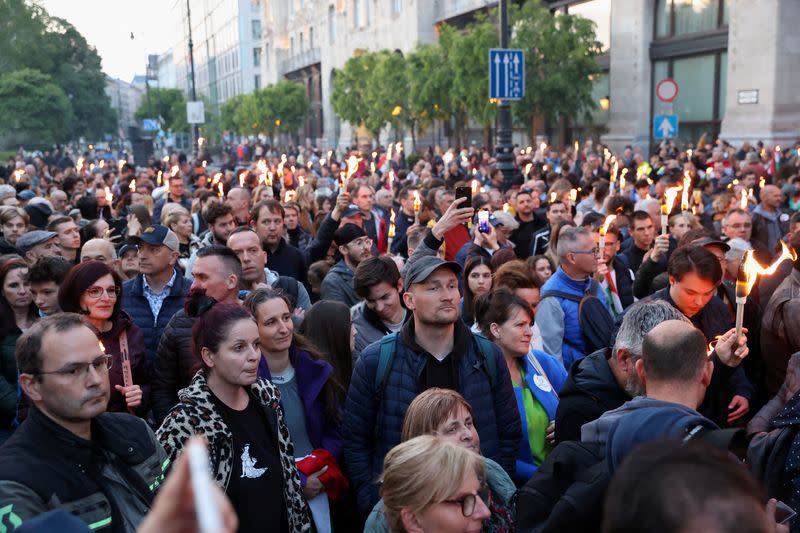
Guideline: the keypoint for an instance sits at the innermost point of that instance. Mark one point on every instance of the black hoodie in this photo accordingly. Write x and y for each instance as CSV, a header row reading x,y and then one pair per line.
x,y
589,391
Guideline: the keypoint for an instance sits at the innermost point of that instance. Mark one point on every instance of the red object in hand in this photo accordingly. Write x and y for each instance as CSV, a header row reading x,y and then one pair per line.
x,y
333,479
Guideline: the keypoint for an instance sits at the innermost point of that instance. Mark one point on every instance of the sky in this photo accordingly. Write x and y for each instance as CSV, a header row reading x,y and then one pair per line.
x,y
107,25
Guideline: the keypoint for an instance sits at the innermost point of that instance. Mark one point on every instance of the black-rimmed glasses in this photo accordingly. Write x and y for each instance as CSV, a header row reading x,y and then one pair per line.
x,y
468,501
81,370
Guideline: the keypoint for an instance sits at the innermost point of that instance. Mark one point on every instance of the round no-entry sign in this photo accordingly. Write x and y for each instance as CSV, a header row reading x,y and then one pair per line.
x,y
667,90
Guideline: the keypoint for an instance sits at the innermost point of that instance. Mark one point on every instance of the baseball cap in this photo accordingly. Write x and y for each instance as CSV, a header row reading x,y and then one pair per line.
x,y
351,210
419,271
157,235
347,234
711,241
32,238
27,194
125,248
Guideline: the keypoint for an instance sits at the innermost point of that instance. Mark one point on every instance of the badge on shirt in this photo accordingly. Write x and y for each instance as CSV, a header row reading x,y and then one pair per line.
x,y
542,383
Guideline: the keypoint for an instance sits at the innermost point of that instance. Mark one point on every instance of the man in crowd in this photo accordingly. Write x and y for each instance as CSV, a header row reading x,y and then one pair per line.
x,y
558,316
247,246
159,290
433,349
617,278
354,246
643,232
220,221
377,282
45,277
70,454
174,195
239,200
770,223
556,212
199,226
267,219
69,238
295,233
404,219
364,198
529,223
36,244
218,272
100,250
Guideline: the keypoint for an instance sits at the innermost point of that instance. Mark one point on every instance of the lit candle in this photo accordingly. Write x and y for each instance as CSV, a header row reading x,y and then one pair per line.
x,y
669,201
573,195
622,181
474,187
603,230
132,185
392,229
417,205
612,181
687,184
301,180
762,182
220,190
109,196
241,178
743,200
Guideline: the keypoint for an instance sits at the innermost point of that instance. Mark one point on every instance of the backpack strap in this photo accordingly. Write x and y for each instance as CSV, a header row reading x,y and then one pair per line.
x,y
385,360
560,294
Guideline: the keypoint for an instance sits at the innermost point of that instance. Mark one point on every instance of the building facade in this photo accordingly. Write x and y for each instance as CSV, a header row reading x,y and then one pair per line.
x,y
125,98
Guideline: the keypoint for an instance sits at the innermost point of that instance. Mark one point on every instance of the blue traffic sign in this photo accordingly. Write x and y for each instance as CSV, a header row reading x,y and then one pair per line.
x,y
150,124
506,74
665,126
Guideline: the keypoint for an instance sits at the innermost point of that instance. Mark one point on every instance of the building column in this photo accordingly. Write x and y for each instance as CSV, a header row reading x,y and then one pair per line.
x,y
630,82
763,61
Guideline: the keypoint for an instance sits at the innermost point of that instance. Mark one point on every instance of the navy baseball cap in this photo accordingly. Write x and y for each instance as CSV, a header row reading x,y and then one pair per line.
x,y
157,235
419,271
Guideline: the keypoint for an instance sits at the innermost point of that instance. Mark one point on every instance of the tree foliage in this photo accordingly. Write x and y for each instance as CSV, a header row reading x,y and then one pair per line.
x,y
32,39
282,107
35,110
169,105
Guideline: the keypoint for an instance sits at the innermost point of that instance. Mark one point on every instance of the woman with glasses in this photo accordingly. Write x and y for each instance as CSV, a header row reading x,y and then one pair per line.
x,y
17,313
430,485
251,452
537,377
94,290
445,414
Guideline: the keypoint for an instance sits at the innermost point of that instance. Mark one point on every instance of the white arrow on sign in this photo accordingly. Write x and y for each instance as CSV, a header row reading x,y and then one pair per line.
x,y
497,74
665,127
506,60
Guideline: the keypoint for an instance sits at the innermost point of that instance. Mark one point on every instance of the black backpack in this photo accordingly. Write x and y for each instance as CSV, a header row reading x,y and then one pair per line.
x,y
567,491
595,321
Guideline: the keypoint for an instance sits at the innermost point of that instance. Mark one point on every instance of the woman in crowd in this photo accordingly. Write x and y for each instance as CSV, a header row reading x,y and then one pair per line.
x,y
430,485
260,193
180,221
17,313
445,414
13,223
327,325
94,290
307,203
316,273
678,225
252,457
97,228
478,274
537,377
542,267
311,396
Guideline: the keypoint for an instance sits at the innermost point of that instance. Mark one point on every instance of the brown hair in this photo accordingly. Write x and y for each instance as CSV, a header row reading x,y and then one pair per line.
x,y
429,410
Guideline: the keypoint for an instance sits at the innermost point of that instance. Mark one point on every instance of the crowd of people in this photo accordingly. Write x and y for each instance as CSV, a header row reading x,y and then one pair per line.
x,y
380,341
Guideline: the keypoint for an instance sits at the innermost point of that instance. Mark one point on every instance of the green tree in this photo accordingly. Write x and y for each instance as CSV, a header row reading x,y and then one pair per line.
x,y
560,52
385,93
228,111
349,86
35,110
428,86
170,105
288,104
30,38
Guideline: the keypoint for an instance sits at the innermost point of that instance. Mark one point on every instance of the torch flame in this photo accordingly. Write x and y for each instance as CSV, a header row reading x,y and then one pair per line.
x,y
174,170
474,186
102,346
669,199
607,224
528,169
417,202
622,179
391,225
132,185
216,178
712,346
109,196
614,171
301,180
687,184
352,165
241,178
743,202
573,195
762,182
220,190
750,269
553,196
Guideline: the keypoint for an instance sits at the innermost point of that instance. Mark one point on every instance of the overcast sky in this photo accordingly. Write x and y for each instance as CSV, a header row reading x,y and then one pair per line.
x,y
107,25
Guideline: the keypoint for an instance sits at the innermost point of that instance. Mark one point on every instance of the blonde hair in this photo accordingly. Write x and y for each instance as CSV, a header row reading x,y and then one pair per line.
x,y
168,209
429,410
173,214
422,472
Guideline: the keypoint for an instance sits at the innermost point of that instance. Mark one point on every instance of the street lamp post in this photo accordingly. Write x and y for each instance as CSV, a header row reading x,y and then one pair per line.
x,y
191,64
504,149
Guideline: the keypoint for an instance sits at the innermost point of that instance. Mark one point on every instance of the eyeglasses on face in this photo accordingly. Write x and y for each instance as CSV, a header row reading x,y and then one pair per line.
x,y
363,241
80,370
468,501
97,292
587,252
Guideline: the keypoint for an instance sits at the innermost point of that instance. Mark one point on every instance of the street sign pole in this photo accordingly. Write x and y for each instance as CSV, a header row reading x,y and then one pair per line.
x,y
503,147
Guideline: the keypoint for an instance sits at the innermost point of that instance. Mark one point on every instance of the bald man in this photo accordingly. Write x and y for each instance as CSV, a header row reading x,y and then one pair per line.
x,y
770,222
675,371
100,250
239,200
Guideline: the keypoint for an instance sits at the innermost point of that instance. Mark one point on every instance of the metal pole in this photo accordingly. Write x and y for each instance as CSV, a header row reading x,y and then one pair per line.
x,y
504,149
191,64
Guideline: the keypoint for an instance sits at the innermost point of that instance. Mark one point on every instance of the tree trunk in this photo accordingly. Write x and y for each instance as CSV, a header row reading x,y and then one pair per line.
x,y
487,137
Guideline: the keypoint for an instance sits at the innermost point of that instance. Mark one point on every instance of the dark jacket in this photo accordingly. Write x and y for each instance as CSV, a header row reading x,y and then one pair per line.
x,y
136,305
589,391
107,482
540,241
8,378
761,229
174,365
5,247
780,330
338,285
369,327
140,368
496,416
287,260
400,240
298,237
468,250
184,200
312,375
321,243
522,237
624,280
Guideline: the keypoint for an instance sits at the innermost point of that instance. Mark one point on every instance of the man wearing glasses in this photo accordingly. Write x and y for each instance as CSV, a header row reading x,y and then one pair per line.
x,y
558,313
70,454
354,246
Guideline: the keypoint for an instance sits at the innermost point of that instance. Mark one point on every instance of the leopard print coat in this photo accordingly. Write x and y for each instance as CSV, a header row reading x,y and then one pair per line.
x,y
195,414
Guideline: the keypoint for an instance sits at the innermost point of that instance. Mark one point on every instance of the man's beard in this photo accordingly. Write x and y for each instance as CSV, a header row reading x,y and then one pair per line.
x,y
633,386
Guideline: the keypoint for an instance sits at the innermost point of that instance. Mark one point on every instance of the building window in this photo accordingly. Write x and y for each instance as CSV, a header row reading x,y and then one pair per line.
x,y
302,45
397,7
311,37
256,82
266,55
291,45
256,28
682,17
257,57
356,14
331,24
599,12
